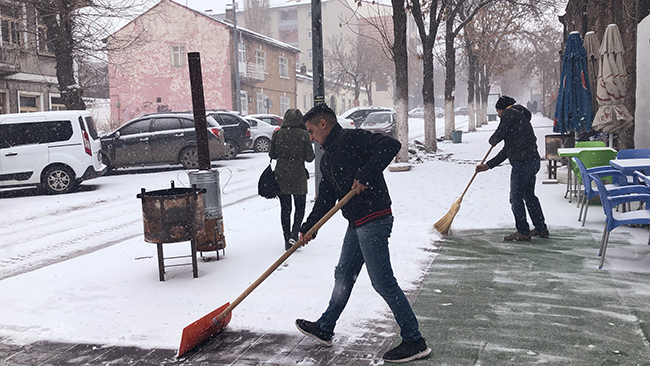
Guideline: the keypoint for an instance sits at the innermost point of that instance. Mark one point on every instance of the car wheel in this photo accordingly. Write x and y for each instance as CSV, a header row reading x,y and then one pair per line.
x,y
262,144
58,179
231,150
189,157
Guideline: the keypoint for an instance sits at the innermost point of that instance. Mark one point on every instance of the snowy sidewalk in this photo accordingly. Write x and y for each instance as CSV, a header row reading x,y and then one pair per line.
x,y
484,302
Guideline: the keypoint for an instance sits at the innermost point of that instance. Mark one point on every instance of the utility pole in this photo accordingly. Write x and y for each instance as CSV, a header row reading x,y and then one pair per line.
x,y
236,37
318,79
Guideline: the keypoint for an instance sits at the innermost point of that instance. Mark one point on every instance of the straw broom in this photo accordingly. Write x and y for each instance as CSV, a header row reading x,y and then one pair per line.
x,y
444,223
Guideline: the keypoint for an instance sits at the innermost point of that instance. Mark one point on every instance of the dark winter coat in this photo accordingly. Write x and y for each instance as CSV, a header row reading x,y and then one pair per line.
x,y
516,131
348,155
290,145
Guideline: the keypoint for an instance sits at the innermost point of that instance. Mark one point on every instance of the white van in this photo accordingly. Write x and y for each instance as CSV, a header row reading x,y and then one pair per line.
x,y
56,150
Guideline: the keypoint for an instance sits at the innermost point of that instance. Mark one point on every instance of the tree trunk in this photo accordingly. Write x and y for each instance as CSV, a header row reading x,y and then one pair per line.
x,y
471,82
429,99
400,57
450,78
59,34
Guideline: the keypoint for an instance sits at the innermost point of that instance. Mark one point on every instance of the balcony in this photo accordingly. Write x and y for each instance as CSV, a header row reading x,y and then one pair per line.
x,y
9,61
252,72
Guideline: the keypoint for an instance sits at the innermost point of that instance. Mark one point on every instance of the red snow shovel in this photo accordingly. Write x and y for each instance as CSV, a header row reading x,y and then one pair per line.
x,y
214,322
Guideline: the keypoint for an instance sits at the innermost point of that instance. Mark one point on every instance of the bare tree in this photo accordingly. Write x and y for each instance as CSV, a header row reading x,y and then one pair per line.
x,y
400,58
434,11
257,16
76,28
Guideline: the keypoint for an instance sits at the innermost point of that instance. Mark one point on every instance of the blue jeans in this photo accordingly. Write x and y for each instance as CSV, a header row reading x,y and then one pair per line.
x,y
369,244
522,196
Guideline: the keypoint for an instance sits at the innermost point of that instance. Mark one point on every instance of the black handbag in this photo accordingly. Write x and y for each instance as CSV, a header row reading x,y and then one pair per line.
x,y
268,186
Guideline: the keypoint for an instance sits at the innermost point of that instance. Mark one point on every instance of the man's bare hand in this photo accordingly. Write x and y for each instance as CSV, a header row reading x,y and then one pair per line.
x,y
482,168
305,239
358,187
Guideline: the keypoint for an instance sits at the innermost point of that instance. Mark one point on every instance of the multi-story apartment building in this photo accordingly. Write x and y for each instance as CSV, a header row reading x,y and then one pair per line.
x,y
154,75
28,80
291,24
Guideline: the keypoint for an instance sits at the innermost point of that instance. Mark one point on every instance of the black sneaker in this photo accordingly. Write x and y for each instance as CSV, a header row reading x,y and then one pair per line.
x,y
541,234
312,329
408,351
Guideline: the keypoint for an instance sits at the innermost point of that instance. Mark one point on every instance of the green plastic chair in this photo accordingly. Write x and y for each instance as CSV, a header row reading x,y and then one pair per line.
x,y
590,144
591,159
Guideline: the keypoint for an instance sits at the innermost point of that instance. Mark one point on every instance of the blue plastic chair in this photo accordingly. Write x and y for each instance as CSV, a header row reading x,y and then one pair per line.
x,y
614,218
634,154
589,192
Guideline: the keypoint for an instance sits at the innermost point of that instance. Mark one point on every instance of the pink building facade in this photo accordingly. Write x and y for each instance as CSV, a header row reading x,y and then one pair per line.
x,y
148,69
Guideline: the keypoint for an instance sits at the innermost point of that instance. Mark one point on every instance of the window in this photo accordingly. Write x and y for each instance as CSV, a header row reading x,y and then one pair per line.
x,y
10,24
56,103
243,97
309,34
229,119
304,101
309,54
141,126
166,124
260,59
284,67
42,43
285,104
178,55
308,13
261,103
3,100
34,133
29,103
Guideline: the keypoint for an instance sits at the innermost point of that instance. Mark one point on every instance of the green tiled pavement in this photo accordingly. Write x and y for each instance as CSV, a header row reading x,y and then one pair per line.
x,y
490,302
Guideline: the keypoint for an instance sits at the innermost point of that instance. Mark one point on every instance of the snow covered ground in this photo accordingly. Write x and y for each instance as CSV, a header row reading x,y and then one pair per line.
x,y
76,268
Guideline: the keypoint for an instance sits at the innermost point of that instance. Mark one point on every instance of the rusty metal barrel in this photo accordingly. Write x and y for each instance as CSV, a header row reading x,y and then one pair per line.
x,y
172,215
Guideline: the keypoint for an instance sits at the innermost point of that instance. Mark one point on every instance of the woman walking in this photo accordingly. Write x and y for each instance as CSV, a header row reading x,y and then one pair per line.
x,y
290,145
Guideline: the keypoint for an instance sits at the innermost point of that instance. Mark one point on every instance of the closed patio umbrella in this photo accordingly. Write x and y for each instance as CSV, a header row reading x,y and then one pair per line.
x,y
611,86
573,111
592,46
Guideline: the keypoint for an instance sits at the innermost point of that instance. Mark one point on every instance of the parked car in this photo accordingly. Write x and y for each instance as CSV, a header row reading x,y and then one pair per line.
x,y
358,114
53,150
345,122
237,132
417,112
271,119
382,122
461,111
160,138
261,133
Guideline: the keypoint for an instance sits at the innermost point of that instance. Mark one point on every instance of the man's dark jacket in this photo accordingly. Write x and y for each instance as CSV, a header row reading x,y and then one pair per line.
x,y
516,131
349,155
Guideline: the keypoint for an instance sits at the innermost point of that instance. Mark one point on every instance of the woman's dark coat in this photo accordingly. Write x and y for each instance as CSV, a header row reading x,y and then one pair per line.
x,y
290,145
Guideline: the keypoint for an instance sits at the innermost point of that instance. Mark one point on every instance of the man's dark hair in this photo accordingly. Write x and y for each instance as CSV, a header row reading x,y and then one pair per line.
x,y
321,111
505,102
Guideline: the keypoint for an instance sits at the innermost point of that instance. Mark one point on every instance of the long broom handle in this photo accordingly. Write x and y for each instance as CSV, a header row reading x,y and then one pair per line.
x,y
284,257
474,176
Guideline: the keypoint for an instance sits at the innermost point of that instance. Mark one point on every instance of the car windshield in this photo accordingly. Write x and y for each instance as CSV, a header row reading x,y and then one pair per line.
x,y
377,118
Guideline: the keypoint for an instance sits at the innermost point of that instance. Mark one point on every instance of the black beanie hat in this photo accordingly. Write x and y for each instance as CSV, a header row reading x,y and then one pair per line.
x,y
505,102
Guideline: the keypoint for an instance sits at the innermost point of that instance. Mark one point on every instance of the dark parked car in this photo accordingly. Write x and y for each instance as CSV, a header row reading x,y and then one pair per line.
x,y
237,132
382,122
359,114
161,138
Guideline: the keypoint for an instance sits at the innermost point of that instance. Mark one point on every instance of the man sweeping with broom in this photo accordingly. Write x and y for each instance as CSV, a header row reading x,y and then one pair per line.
x,y
520,147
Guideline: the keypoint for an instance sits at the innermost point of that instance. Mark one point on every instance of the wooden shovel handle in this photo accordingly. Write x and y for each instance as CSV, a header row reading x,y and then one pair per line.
x,y
284,256
474,176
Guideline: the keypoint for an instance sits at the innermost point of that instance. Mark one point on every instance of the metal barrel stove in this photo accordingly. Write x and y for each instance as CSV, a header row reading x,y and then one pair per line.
x,y
170,216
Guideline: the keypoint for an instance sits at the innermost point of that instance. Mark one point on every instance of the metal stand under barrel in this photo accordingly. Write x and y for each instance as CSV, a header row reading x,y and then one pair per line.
x,y
171,216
